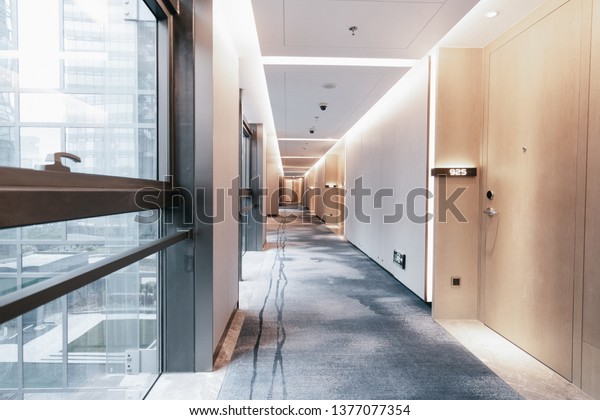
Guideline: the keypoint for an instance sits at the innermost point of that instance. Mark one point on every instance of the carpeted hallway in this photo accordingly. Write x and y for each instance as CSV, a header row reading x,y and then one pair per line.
x,y
326,322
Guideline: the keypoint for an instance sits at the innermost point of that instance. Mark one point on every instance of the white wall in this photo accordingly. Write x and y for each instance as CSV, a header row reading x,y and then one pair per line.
x,y
388,149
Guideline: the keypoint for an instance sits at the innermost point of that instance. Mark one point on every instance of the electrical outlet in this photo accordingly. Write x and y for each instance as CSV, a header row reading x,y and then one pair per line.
x,y
400,259
455,281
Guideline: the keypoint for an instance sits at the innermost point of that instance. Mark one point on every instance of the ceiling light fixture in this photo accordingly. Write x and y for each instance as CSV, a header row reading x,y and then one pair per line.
x,y
329,85
353,29
491,14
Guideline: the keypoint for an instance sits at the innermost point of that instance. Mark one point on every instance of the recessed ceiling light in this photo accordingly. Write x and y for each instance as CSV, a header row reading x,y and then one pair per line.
x,y
329,86
492,14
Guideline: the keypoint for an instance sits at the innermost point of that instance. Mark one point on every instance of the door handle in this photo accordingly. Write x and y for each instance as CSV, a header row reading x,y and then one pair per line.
x,y
57,166
490,211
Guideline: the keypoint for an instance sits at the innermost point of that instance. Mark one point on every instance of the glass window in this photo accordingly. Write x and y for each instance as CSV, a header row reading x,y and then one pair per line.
x,y
42,336
8,362
111,332
8,233
36,143
35,253
96,95
110,326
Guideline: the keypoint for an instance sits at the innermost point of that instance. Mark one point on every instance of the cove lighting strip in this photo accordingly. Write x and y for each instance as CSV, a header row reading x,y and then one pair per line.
x,y
337,61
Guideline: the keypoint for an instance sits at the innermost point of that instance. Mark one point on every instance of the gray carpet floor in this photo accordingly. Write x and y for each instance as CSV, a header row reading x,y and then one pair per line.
x,y
326,322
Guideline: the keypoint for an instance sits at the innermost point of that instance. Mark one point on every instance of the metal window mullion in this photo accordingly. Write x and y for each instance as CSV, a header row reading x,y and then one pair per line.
x,y
20,358
65,342
61,75
17,138
64,234
163,94
165,163
19,256
63,140
136,97
106,294
61,44
16,86
15,23
19,326
161,271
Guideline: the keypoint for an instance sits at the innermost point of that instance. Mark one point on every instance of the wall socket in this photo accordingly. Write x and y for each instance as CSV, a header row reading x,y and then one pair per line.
x,y
455,281
400,259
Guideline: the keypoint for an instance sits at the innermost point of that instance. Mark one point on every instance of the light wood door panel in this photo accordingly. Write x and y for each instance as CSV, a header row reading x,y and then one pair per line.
x,y
531,168
591,289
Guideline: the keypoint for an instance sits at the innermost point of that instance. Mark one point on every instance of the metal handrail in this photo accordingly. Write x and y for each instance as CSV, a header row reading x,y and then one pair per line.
x,y
24,300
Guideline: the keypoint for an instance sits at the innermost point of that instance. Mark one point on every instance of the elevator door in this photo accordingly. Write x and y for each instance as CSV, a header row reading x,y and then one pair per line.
x,y
531,178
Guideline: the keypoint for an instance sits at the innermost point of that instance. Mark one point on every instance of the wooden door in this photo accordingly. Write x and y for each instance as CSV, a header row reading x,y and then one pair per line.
x,y
532,134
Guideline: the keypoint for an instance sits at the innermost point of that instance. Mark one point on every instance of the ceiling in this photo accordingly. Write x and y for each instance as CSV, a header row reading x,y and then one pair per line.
x,y
392,29
311,56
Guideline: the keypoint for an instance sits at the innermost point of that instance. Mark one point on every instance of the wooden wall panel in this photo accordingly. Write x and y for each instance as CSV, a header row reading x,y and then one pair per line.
x,y
458,125
591,370
331,169
591,288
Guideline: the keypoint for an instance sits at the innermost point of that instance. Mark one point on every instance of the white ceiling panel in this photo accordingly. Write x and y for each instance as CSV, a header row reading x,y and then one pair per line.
x,y
296,93
300,162
297,174
386,29
381,25
305,147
